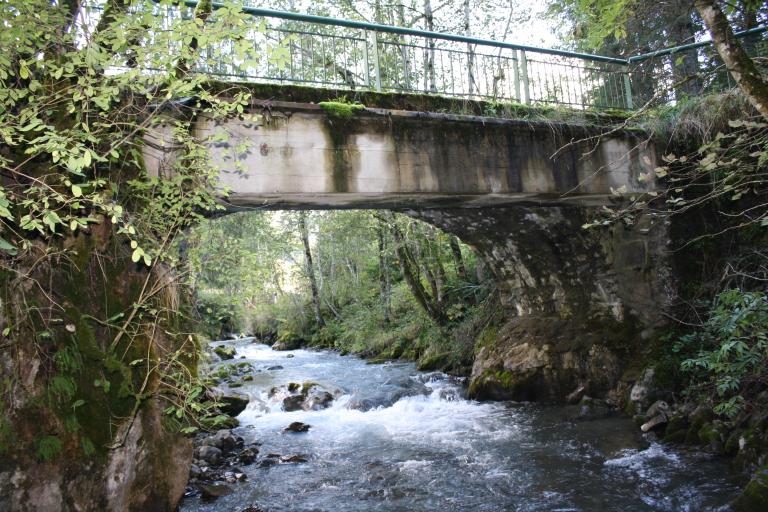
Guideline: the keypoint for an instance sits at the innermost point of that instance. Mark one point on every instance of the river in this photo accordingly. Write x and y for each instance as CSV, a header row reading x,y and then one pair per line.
x,y
420,446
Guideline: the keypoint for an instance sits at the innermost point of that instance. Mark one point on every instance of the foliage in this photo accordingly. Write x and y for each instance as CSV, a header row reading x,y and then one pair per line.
x,y
84,94
730,366
367,304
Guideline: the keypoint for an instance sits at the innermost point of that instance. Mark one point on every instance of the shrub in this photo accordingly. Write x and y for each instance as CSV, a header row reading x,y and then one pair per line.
x,y
731,363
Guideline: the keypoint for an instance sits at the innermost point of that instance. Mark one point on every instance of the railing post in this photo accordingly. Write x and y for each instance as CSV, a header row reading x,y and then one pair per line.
x,y
376,62
524,76
516,74
627,88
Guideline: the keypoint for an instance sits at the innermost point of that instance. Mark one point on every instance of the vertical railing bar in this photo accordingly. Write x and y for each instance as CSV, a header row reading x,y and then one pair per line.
x,y
376,60
524,77
627,88
367,73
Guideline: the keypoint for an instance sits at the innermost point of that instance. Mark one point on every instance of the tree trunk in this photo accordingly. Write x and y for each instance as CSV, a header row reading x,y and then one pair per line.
x,y
414,283
429,21
310,267
458,259
470,51
384,280
741,67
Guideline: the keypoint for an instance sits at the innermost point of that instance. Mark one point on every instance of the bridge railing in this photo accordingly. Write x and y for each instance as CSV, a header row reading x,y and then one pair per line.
x,y
672,75
342,53
327,52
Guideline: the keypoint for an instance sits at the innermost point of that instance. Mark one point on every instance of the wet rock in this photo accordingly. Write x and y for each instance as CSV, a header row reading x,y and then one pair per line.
x,y
266,463
248,456
293,403
293,459
275,367
291,344
195,471
316,398
224,441
213,491
289,356
298,426
224,352
754,497
209,454
253,508
590,409
233,403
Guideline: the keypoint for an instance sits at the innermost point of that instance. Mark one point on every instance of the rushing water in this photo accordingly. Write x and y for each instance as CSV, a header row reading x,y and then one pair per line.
x,y
421,447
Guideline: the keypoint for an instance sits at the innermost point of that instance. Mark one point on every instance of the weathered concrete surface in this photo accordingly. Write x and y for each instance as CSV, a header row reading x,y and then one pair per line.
x,y
580,302
295,155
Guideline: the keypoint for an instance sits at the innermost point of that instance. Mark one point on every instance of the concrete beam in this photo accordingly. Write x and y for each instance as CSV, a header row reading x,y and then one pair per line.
x,y
294,155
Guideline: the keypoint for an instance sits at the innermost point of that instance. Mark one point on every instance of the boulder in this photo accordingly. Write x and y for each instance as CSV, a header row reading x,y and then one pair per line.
x,y
293,403
209,454
233,403
223,440
224,352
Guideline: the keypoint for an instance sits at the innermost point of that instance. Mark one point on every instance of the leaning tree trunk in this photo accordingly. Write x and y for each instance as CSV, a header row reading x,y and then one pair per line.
x,y
741,67
414,283
310,267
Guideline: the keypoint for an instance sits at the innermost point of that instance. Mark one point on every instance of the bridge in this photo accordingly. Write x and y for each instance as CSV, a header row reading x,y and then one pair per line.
x,y
518,191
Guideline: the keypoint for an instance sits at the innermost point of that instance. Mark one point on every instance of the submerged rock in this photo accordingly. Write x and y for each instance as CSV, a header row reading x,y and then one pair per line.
x,y
295,459
298,426
213,491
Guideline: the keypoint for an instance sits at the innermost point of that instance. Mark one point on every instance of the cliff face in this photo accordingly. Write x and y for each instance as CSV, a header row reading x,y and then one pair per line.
x,y
580,304
83,426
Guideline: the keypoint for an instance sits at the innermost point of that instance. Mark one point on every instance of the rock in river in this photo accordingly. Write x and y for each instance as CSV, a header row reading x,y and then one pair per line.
x,y
297,426
225,352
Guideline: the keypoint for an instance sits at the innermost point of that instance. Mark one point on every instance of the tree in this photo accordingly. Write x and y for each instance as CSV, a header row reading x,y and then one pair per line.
x,y
739,64
310,268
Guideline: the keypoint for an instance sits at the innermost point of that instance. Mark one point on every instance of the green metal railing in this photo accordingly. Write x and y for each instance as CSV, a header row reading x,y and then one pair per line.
x,y
336,53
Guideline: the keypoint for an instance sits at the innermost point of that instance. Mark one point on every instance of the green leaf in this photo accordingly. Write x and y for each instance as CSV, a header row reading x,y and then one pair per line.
x,y
7,247
77,191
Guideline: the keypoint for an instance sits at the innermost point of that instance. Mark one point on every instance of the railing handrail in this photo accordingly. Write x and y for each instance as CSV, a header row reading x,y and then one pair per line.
x,y
691,46
364,25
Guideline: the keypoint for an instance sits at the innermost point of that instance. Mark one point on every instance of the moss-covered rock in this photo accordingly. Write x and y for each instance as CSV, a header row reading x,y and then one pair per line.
x,y
431,362
225,352
754,497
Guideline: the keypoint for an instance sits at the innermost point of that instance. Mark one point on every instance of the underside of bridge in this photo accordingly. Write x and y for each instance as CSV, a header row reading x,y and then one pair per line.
x,y
578,303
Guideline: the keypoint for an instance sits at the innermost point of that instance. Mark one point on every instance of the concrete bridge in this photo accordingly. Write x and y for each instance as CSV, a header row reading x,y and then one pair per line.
x,y
302,155
517,191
